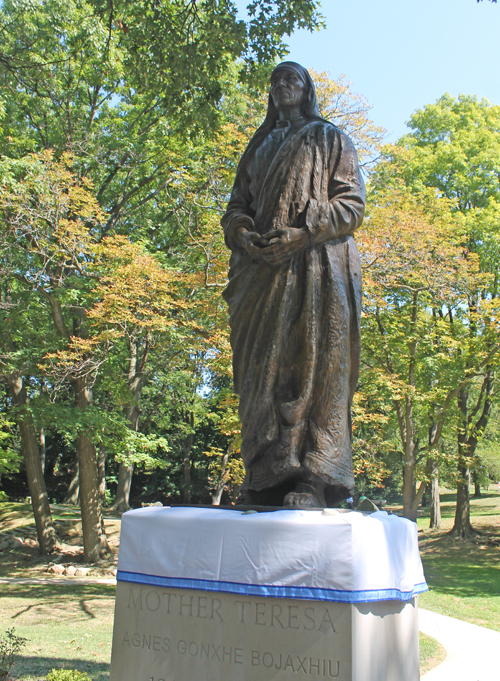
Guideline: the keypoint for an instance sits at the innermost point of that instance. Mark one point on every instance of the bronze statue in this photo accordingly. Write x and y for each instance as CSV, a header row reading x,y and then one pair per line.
x,y
294,298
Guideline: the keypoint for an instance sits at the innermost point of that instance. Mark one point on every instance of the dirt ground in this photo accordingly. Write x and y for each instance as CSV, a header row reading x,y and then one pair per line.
x,y
19,554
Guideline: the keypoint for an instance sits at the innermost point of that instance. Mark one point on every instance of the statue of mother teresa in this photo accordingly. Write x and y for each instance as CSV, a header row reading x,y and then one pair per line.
x,y
294,298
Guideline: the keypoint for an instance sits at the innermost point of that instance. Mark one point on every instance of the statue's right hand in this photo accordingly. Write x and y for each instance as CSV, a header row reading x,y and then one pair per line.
x,y
252,242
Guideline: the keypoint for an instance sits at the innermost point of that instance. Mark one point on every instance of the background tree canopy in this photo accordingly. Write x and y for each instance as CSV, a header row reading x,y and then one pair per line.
x,y
122,124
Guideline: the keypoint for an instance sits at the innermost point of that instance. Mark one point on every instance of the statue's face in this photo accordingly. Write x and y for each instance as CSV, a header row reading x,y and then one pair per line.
x,y
288,88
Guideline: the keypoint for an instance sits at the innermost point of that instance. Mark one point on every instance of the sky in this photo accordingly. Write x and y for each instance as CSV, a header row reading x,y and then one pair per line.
x,y
404,54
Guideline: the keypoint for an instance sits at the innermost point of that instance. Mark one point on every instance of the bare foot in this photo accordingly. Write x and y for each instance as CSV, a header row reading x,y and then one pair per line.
x,y
305,496
301,499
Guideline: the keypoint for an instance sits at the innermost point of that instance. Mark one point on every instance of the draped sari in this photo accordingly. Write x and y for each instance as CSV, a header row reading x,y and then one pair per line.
x,y
295,327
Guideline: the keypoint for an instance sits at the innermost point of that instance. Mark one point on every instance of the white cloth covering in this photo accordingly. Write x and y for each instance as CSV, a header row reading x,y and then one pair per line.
x,y
347,557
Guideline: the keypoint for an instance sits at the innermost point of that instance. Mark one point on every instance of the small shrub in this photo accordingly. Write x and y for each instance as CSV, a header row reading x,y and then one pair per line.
x,y
67,675
10,646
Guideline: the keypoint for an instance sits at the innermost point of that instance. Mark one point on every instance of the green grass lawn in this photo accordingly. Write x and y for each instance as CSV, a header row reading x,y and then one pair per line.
x,y
432,653
464,577
66,627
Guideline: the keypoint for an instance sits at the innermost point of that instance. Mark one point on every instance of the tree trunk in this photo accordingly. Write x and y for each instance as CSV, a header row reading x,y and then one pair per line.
x,y
477,485
42,434
122,499
126,471
73,493
186,472
101,471
425,501
217,494
462,528
406,427
136,379
95,545
186,462
435,506
47,538
410,502
42,449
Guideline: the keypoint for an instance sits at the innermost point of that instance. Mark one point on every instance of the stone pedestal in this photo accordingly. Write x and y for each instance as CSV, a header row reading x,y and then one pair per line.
x,y
185,635
215,595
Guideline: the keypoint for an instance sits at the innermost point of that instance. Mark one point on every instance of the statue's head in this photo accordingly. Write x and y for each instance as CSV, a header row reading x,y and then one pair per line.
x,y
291,85
289,81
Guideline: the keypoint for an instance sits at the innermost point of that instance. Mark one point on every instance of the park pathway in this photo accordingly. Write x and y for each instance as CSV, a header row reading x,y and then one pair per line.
x,y
473,652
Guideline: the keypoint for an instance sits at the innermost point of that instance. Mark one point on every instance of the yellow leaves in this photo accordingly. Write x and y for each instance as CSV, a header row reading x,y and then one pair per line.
x,y
373,467
51,224
415,245
229,423
49,214
230,143
348,111
225,467
134,290
81,358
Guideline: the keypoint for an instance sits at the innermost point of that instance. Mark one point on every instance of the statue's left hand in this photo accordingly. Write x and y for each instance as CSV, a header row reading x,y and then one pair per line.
x,y
285,243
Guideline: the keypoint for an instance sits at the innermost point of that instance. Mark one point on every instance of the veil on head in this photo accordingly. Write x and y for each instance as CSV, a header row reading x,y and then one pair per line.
x,y
310,107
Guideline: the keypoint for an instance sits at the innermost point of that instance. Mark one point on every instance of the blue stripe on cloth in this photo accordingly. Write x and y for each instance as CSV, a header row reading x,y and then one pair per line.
x,y
274,591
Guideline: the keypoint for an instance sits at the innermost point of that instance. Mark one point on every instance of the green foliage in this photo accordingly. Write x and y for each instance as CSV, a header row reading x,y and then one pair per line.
x,y
10,646
114,257
450,165
454,147
67,675
9,459
488,450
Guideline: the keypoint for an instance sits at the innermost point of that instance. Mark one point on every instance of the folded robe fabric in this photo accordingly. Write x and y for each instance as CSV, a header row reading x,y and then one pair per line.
x,y
345,557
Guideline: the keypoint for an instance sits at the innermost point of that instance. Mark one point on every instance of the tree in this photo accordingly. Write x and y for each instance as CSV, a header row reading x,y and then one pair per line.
x,y
488,452
454,147
46,220
19,320
116,86
414,272
137,306
226,466
8,456
156,103
349,111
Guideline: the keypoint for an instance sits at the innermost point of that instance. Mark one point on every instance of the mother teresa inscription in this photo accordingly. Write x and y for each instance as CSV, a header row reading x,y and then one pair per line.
x,y
175,634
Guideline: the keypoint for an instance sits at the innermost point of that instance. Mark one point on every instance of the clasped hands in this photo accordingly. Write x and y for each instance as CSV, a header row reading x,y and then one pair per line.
x,y
275,247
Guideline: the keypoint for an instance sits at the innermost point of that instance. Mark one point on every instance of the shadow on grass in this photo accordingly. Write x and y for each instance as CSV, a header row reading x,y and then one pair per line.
x,y
463,569
10,512
39,666
462,581
60,603
56,592
485,505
